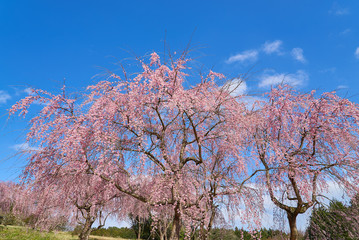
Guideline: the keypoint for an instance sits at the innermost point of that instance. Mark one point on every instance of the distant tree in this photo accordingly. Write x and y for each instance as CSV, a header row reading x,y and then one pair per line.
x,y
9,195
263,234
222,233
336,221
141,226
81,199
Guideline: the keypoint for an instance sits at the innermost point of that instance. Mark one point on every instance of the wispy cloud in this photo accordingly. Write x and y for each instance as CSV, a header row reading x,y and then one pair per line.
x,y
343,11
345,31
4,96
29,91
272,47
357,53
295,79
338,10
236,87
268,48
24,147
328,70
342,87
249,55
297,54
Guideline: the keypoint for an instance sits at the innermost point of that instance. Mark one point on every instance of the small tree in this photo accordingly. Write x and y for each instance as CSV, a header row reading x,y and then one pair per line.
x,y
79,199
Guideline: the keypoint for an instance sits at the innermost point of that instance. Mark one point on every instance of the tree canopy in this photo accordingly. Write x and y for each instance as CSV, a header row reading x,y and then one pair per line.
x,y
154,145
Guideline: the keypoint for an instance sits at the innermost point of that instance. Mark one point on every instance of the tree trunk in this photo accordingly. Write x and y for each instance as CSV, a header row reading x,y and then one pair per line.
x,y
162,229
213,214
292,218
139,229
86,230
176,225
165,235
206,230
203,233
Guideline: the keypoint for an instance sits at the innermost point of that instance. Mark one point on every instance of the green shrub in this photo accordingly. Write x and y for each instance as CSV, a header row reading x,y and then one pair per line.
x,y
10,220
337,221
123,232
76,231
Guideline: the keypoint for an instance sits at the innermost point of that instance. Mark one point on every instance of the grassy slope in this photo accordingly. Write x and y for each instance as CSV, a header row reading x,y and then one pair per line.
x,y
22,233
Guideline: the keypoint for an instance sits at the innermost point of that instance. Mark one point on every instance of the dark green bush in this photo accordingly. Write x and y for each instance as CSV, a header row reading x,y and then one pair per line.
x,y
76,231
123,232
10,219
336,221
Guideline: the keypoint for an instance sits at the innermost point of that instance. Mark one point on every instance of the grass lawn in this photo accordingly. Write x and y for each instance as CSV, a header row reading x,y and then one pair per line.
x,y
23,233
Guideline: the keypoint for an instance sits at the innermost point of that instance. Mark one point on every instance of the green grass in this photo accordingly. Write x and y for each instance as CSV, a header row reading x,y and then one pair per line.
x,y
23,233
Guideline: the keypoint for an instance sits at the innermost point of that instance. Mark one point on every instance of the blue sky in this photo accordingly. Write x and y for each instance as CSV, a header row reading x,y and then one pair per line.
x,y
309,44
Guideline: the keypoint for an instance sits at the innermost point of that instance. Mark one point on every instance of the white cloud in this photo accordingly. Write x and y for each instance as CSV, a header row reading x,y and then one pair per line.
x,y
252,102
236,87
4,96
24,147
357,53
334,191
249,55
295,79
272,47
297,54
29,91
